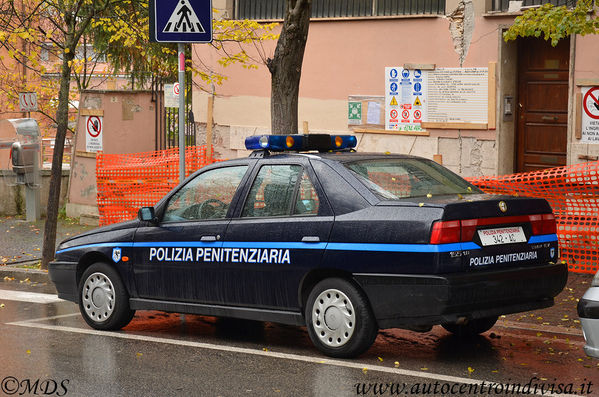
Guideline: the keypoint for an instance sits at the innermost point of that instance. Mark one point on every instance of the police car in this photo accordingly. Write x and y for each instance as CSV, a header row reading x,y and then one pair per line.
x,y
306,231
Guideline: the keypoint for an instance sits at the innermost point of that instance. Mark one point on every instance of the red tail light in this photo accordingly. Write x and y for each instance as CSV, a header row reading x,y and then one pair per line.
x,y
445,232
543,224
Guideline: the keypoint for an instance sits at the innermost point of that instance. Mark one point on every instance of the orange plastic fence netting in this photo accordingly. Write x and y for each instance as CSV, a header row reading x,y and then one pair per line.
x,y
126,182
573,192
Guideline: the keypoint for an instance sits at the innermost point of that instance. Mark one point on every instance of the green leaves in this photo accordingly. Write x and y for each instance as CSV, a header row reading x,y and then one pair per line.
x,y
555,23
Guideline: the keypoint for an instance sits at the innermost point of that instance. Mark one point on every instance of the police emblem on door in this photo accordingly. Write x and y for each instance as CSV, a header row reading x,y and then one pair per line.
x,y
552,253
502,206
116,254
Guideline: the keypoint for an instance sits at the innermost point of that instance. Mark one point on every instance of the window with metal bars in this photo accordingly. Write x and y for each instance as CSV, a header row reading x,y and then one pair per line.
x,y
274,9
503,5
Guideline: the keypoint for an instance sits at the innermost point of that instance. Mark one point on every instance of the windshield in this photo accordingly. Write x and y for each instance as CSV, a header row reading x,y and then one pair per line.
x,y
397,178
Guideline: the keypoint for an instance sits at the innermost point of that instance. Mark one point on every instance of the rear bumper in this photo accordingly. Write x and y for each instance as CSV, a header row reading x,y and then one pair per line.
x,y
407,300
64,277
588,311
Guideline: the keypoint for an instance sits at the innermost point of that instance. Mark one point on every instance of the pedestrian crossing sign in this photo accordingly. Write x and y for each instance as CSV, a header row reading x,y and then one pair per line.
x,y
181,21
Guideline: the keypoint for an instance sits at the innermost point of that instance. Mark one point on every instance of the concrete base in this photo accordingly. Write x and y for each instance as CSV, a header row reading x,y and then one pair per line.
x,y
87,214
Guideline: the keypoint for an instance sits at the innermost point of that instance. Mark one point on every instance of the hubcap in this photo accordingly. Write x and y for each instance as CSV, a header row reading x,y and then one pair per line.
x,y
98,297
333,318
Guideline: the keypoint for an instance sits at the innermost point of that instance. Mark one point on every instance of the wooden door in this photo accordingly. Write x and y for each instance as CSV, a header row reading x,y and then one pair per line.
x,y
543,104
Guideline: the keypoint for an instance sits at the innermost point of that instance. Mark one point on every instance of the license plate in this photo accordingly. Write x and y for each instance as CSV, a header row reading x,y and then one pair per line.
x,y
502,235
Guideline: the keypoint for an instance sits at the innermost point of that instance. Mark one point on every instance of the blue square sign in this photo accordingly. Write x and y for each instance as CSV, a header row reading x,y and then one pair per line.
x,y
181,21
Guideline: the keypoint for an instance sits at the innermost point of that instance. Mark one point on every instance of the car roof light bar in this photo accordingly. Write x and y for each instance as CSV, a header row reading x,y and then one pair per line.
x,y
297,142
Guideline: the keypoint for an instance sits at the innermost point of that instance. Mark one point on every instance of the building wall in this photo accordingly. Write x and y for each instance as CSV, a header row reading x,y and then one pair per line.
x,y
129,125
347,57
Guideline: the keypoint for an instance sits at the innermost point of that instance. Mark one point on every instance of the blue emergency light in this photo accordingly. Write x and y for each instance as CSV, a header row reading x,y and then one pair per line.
x,y
320,142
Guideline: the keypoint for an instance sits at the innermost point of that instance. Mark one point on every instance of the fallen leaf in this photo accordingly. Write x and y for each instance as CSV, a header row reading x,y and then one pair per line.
x,y
364,370
397,364
265,349
1,305
470,370
420,204
139,354
424,369
380,359
429,195
28,351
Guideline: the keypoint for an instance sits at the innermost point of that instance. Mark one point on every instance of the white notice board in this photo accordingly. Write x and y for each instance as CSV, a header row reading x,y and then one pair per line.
x,y
443,95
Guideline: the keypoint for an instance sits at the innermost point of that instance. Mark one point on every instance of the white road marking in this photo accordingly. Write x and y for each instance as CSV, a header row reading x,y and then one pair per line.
x,y
24,296
270,354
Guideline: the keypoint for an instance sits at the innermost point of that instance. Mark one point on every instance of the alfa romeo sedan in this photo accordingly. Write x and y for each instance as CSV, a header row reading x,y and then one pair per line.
x,y
306,231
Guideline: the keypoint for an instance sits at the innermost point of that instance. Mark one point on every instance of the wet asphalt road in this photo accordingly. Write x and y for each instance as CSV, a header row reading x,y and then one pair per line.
x,y
162,354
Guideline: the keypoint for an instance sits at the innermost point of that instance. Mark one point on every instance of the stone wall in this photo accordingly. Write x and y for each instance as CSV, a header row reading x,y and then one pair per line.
x,y
12,197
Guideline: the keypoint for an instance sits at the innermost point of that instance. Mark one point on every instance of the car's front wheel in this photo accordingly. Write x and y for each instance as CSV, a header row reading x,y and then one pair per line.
x,y
472,327
103,299
339,319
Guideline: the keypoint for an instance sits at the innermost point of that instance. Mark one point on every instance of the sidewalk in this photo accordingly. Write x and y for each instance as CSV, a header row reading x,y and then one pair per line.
x,y
21,243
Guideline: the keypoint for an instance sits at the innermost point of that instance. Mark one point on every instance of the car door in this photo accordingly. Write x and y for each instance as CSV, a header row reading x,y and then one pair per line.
x,y
281,228
178,258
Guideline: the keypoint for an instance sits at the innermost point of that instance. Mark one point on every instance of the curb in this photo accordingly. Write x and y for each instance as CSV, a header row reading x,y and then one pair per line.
x,y
18,273
551,329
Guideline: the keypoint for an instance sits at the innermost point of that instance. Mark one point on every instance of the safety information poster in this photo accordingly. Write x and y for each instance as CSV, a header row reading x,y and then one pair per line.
x,y
443,95
405,98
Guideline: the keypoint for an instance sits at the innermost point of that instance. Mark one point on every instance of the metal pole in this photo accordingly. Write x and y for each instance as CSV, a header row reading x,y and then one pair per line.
x,y
181,51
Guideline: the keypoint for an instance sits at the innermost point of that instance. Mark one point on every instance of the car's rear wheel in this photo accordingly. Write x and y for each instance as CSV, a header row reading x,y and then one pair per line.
x,y
472,327
103,299
339,319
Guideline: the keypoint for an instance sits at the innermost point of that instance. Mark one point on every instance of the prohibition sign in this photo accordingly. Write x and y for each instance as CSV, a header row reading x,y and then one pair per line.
x,y
591,103
405,114
417,114
94,126
393,114
176,89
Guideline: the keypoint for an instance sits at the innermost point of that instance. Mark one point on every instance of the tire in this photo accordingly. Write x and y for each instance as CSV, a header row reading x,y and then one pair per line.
x,y
472,327
103,299
339,319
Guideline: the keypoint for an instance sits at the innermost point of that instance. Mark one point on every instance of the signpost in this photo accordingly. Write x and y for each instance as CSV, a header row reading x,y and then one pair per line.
x,y
28,102
182,21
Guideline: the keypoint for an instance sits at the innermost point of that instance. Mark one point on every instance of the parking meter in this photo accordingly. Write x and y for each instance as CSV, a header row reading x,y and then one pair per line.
x,y
25,159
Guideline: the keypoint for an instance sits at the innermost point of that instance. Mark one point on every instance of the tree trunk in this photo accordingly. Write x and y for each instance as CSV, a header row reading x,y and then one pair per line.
x,y
62,119
286,67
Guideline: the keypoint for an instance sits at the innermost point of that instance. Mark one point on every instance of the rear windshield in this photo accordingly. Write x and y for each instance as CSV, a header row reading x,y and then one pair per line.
x,y
394,178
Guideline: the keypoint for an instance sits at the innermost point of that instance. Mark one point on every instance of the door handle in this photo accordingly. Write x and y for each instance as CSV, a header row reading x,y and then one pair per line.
x,y
208,238
310,239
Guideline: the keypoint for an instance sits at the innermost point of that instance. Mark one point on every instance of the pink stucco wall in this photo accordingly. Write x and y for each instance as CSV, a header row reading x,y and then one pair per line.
x,y
348,57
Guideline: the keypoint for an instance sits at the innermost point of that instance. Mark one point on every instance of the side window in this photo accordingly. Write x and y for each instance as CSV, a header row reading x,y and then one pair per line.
x,y
307,202
207,196
281,190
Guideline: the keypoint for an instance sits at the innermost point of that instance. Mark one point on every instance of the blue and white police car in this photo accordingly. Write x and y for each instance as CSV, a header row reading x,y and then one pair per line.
x,y
306,231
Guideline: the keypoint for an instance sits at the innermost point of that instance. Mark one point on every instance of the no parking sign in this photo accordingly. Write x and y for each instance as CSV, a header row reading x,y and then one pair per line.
x,y
93,133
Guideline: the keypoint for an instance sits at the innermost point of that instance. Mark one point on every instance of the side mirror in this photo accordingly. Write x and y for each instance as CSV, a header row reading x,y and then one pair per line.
x,y
147,214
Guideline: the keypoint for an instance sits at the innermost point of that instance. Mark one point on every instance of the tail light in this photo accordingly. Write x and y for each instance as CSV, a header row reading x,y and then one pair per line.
x,y
543,224
445,232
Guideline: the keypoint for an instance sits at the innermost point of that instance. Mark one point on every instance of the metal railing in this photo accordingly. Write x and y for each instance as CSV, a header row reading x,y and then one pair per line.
x,y
503,5
275,9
